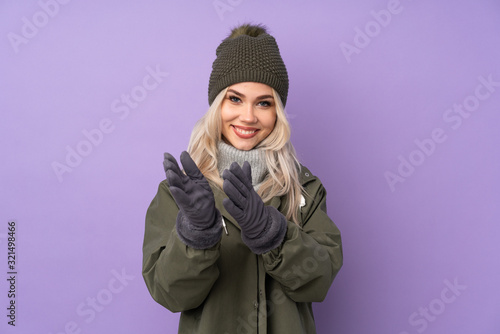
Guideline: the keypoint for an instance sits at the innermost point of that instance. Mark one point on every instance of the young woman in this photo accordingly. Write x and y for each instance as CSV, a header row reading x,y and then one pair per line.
x,y
240,242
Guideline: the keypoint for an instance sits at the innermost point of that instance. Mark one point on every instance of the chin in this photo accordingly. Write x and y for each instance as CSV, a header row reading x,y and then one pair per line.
x,y
242,146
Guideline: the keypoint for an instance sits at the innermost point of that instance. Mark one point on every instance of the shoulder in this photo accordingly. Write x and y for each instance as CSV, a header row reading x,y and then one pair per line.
x,y
310,182
164,196
313,195
163,187
306,176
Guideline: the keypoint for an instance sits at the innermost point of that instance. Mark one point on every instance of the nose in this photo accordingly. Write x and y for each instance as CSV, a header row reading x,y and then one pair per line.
x,y
247,114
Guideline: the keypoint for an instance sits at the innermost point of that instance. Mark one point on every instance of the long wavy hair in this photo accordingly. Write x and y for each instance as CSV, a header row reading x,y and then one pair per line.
x,y
282,164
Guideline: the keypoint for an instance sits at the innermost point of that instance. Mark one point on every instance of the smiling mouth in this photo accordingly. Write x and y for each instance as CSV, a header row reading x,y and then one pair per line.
x,y
244,132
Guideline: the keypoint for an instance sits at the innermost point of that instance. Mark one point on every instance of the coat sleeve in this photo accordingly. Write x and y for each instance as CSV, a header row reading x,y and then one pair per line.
x,y
310,257
177,276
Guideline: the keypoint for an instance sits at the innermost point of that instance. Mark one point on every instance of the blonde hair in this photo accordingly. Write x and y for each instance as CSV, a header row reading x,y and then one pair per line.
x,y
280,157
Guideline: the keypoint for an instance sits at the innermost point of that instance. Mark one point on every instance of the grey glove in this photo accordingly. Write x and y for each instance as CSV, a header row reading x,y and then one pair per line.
x,y
262,227
198,222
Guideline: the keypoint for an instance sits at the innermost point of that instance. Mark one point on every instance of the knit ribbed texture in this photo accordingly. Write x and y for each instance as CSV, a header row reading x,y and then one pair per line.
x,y
229,154
245,58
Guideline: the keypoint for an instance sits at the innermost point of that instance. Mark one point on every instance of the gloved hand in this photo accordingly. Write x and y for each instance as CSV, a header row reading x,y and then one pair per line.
x,y
197,219
262,227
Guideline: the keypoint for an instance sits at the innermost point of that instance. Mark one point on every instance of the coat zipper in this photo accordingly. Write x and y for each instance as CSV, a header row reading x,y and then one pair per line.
x,y
224,225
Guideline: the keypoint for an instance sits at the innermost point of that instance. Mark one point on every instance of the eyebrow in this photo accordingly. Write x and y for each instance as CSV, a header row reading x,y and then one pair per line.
x,y
243,95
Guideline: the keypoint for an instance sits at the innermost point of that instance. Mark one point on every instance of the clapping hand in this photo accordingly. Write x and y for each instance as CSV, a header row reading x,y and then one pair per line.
x,y
191,191
262,227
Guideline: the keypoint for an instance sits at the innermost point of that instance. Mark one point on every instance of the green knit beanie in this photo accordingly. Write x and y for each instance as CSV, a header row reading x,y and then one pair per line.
x,y
248,54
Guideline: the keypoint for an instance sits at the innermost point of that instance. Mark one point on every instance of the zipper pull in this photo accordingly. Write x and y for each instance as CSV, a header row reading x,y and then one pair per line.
x,y
224,225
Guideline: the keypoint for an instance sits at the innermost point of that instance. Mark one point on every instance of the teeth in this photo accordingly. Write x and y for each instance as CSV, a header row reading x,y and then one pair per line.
x,y
244,131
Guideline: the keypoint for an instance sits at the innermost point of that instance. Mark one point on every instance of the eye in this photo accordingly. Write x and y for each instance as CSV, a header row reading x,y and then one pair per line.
x,y
234,99
264,104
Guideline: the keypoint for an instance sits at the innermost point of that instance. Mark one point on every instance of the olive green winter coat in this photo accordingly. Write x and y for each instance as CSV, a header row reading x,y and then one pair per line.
x,y
230,290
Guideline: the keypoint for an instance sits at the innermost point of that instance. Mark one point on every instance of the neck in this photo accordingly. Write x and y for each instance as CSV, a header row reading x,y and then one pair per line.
x,y
255,157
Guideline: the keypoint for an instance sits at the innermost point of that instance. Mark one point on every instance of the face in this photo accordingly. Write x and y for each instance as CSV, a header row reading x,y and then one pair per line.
x,y
248,114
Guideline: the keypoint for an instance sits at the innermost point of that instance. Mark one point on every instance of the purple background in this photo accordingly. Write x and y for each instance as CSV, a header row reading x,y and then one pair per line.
x,y
354,117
